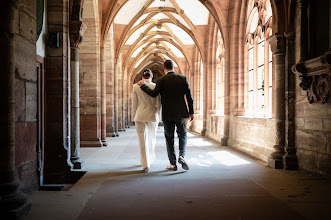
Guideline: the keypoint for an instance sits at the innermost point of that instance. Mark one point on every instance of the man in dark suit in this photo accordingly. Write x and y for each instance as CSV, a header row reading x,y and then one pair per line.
x,y
175,112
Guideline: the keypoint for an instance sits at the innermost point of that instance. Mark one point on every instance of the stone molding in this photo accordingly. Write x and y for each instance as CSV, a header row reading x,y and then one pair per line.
x,y
315,76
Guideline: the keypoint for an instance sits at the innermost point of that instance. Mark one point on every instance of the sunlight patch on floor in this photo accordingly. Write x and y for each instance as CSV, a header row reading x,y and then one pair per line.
x,y
218,157
198,142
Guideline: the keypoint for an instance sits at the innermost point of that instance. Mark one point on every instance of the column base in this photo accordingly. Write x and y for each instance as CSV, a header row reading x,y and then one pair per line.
x,y
104,143
111,135
275,163
121,129
13,202
276,158
18,213
90,144
290,162
77,162
116,134
52,180
224,141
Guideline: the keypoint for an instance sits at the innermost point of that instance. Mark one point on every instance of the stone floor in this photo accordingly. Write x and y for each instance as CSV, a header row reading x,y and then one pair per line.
x,y
221,184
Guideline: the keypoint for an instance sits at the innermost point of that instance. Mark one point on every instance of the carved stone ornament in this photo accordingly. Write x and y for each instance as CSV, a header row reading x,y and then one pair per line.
x,y
77,30
315,76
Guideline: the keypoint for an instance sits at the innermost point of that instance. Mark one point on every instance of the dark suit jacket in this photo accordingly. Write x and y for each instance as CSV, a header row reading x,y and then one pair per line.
x,y
173,88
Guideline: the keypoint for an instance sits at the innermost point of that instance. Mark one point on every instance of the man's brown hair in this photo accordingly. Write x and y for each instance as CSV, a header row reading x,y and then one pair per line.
x,y
168,64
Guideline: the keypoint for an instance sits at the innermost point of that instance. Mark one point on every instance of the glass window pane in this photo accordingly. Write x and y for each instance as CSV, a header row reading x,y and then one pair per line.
x,y
270,98
250,80
270,74
250,102
260,54
260,102
270,54
250,59
260,77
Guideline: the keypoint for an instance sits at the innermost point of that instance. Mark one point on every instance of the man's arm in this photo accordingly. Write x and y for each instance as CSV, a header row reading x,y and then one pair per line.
x,y
189,100
148,90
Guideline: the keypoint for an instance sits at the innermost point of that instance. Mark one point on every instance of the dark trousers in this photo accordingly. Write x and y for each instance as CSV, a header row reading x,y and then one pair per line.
x,y
169,131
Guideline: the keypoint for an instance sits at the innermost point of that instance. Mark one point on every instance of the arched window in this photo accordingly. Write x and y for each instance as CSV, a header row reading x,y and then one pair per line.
x,y
259,71
220,54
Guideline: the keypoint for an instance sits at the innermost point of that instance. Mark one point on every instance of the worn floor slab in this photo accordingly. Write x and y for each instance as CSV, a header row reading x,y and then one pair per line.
x,y
221,184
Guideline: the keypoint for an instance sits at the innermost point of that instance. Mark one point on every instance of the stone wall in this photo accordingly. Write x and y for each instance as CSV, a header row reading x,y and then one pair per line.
x,y
313,135
217,127
254,136
26,97
312,121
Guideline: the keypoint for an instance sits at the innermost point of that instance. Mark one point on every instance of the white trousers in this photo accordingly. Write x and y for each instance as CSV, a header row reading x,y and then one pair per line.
x,y
147,133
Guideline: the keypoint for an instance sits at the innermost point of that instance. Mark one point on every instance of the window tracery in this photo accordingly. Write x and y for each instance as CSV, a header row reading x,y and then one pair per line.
x,y
220,71
259,71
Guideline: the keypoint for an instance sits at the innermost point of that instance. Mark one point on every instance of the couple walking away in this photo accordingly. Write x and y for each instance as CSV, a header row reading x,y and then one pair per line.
x,y
172,89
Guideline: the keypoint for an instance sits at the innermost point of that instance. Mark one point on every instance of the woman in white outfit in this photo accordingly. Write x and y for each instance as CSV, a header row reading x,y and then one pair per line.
x,y
146,115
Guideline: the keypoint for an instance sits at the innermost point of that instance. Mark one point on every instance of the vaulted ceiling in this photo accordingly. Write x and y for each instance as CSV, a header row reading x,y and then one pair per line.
x,y
149,31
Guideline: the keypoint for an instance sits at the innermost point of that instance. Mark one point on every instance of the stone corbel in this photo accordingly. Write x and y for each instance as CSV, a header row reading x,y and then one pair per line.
x,y
277,44
77,30
315,76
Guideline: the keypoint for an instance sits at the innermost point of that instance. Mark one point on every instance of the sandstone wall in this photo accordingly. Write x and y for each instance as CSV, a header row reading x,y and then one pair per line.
x,y
26,97
312,122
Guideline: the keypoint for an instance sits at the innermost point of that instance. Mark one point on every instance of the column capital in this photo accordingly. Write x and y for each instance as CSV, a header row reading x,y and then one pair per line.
x,y
289,35
277,44
77,30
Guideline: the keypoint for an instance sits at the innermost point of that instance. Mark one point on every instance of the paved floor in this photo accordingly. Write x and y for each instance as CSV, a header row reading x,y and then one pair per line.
x,y
221,184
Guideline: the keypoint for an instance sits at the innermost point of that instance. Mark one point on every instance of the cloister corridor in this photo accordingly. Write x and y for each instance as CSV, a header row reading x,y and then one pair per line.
x,y
222,183
256,78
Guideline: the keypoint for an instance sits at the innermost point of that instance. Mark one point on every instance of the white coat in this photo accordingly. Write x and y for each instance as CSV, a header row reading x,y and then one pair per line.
x,y
144,107
146,115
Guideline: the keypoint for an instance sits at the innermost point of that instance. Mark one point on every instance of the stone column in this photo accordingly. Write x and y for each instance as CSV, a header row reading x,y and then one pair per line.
x,y
330,26
103,96
57,167
116,99
77,29
303,5
109,66
290,160
13,202
277,43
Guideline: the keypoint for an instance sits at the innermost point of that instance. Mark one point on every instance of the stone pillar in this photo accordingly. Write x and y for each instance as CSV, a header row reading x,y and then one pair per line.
x,y
109,63
116,99
103,96
290,160
330,26
57,168
303,5
277,43
77,29
13,202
